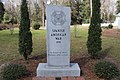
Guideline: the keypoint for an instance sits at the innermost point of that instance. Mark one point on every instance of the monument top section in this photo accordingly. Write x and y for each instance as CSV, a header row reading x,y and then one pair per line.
x,y
58,35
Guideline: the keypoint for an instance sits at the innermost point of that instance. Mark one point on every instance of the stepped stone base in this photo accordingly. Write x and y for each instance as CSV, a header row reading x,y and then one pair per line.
x,y
44,71
63,78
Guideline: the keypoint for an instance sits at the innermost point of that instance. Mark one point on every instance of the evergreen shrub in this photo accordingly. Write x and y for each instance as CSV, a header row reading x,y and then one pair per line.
x,y
12,71
106,70
36,26
110,26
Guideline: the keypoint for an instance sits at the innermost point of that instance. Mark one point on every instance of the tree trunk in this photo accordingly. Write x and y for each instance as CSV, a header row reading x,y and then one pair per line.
x,y
43,10
75,30
91,8
56,2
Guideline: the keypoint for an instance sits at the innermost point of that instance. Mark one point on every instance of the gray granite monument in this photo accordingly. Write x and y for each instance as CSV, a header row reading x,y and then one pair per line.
x,y
58,44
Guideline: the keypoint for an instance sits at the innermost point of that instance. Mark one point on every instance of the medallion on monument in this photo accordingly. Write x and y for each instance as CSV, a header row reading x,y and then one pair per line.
x,y
58,18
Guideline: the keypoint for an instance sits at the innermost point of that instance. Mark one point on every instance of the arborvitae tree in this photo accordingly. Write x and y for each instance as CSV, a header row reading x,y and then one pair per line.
x,y
25,36
94,37
118,6
2,11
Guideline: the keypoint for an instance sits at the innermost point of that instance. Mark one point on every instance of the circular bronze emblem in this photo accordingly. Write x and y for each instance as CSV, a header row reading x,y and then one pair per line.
x,y
58,18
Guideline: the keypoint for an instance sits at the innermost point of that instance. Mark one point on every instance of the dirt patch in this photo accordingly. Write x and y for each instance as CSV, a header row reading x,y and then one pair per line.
x,y
111,33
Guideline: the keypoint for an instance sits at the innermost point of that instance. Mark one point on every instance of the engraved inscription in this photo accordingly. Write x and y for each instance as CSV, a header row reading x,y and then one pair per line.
x,y
57,54
58,34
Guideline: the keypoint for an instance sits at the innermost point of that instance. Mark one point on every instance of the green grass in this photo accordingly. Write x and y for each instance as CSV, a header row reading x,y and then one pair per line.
x,y
9,44
112,46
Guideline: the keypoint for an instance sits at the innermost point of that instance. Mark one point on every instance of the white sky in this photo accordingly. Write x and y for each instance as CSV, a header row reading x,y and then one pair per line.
x,y
4,0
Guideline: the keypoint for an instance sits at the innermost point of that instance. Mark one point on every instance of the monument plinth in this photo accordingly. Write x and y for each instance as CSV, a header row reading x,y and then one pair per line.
x,y
58,44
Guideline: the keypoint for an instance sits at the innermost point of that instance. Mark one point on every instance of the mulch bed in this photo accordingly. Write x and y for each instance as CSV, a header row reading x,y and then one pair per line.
x,y
85,62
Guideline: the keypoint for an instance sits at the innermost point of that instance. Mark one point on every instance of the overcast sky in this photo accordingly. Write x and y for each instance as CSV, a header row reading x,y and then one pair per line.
x,y
4,0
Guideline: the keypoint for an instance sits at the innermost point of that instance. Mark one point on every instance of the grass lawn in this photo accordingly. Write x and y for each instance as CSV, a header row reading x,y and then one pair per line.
x,y
9,44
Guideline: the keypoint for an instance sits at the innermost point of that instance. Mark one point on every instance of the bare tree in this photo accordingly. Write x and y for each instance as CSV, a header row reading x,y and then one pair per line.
x,y
91,8
43,12
12,9
107,8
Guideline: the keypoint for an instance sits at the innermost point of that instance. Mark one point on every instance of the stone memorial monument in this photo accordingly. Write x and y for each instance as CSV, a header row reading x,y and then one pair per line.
x,y
58,44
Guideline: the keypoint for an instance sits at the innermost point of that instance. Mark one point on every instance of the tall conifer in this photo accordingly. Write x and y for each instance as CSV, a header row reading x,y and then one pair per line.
x,y
25,35
94,38
2,11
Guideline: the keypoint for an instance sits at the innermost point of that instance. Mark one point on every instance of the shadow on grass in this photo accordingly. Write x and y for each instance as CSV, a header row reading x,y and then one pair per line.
x,y
105,52
83,60
38,57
